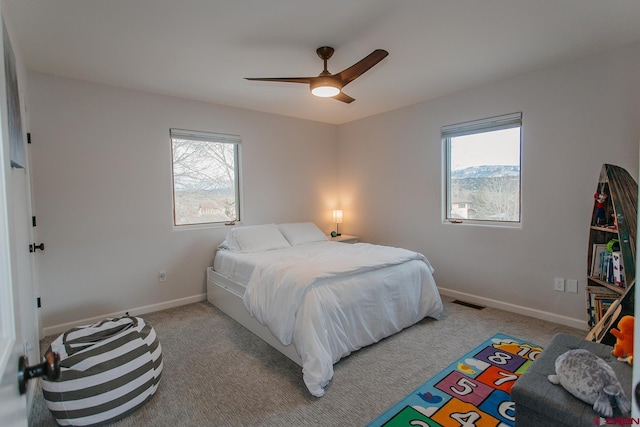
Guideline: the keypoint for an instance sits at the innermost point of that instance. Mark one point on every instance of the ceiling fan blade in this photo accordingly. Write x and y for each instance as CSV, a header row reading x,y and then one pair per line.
x,y
344,98
362,66
306,80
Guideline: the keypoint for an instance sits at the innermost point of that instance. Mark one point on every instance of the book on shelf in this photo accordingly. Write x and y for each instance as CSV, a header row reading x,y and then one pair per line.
x,y
596,259
618,269
603,306
599,299
609,268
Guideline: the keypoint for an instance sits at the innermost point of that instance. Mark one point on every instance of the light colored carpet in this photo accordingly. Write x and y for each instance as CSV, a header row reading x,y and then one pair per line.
x,y
217,373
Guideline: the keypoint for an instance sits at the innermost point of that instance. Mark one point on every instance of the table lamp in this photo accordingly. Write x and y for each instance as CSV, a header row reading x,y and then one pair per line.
x,y
337,218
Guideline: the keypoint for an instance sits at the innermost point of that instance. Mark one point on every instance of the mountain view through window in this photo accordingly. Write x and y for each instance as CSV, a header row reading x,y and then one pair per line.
x,y
484,176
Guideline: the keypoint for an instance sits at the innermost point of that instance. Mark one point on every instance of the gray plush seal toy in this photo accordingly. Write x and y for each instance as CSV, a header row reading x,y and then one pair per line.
x,y
590,379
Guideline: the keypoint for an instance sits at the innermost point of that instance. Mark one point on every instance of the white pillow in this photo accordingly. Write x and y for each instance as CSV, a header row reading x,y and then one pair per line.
x,y
255,238
299,233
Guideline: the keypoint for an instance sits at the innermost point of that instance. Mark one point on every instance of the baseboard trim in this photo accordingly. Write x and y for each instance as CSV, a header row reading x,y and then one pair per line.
x,y
513,308
137,311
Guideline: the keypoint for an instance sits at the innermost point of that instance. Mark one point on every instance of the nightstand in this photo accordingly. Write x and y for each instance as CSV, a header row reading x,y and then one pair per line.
x,y
345,238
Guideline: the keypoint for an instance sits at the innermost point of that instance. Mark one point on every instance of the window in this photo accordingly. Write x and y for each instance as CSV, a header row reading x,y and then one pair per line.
x,y
206,180
482,160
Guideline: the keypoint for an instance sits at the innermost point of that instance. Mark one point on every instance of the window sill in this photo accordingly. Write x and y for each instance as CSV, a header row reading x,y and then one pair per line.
x,y
476,223
207,226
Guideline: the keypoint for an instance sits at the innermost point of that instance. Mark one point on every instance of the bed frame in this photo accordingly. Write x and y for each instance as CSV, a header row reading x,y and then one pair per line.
x,y
227,296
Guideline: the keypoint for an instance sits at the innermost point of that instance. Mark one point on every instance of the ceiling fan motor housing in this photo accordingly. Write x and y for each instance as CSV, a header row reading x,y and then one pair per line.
x,y
324,52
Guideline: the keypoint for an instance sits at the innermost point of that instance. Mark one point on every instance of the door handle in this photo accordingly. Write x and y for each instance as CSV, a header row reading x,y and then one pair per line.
x,y
50,369
33,247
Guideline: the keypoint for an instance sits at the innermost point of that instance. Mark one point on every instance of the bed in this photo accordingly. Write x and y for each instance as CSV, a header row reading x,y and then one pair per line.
x,y
315,300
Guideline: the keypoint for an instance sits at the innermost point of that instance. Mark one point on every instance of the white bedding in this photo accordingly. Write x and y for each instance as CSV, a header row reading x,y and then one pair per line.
x,y
330,298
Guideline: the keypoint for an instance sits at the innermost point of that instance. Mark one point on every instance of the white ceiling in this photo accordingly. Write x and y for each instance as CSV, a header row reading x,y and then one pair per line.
x,y
202,49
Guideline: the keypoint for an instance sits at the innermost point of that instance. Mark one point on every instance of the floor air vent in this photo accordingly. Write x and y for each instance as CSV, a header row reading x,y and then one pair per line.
x,y
468,304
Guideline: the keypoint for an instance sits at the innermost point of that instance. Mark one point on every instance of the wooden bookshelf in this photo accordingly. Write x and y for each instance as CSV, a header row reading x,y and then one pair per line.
x,y
612,275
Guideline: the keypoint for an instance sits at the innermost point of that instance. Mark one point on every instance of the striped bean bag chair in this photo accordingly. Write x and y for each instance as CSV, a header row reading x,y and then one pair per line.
x,y
107,370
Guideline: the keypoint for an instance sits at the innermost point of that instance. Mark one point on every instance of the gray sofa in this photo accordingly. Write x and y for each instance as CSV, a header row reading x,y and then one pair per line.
x,y
541,403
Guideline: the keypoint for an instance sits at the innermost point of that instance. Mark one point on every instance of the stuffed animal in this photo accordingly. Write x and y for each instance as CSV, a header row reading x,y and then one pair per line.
x,y
624,342
590,379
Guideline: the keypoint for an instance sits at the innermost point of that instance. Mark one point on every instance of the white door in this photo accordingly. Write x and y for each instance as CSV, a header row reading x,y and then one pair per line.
x,y
13,409
23,310
14,295
19,330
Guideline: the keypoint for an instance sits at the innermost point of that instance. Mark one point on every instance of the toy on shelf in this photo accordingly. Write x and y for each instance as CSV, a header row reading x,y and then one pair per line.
x,y
601,198
623,349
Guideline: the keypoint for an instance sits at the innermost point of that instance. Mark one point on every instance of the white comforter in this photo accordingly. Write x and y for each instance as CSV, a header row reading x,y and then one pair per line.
x,y
329,303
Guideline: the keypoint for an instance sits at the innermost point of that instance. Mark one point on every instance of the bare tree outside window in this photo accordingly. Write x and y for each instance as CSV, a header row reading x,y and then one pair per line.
x,y
497,199
205,180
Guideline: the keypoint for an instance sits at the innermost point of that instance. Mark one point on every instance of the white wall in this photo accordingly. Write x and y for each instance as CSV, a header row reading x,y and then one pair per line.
x,y
102,186
102,192
576,116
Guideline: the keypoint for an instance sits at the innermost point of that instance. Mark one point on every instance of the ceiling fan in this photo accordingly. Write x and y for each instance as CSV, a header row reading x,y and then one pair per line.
x,y
329,85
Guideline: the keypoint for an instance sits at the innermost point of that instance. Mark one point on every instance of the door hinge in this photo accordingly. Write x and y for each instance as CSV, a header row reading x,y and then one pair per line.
x,y
33,221
38,302
28,137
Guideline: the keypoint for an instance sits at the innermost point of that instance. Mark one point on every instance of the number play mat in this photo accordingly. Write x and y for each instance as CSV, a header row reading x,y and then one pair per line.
x,y
472,391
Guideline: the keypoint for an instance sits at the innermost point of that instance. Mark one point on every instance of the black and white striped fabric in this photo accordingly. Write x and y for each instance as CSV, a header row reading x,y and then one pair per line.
x,y
107,370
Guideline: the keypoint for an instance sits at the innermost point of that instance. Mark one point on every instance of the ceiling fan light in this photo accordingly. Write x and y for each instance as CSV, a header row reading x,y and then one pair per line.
x,y
325,91
325,87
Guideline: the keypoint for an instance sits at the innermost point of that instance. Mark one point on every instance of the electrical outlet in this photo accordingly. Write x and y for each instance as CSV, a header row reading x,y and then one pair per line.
x,y
162,276
558,284
572,286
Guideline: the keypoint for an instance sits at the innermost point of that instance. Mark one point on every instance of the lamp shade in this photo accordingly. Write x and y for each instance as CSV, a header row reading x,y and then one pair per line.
x,y
337,216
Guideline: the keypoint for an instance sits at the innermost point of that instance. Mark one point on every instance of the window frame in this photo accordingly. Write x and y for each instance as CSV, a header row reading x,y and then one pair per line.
x,y
216,138
490,124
